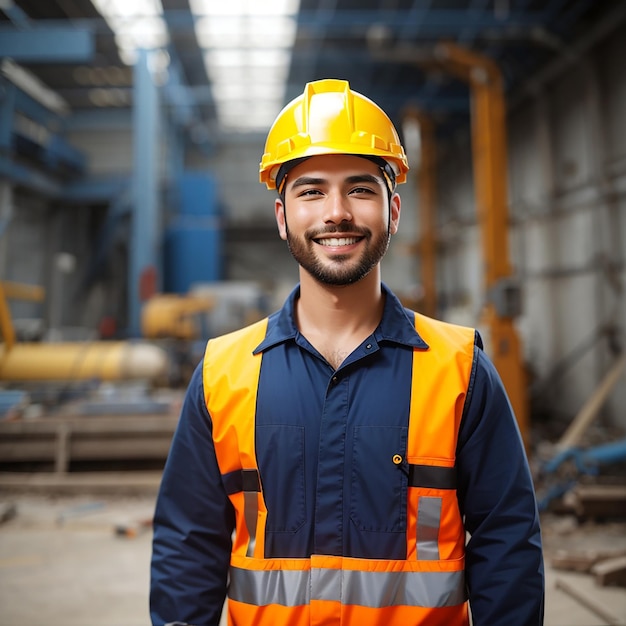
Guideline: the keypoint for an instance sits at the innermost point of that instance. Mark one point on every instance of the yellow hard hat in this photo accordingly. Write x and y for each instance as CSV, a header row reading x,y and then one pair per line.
x,y
330,118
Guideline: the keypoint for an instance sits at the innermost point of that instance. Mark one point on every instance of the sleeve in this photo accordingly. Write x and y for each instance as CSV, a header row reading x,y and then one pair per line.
x,y
504,562
193,523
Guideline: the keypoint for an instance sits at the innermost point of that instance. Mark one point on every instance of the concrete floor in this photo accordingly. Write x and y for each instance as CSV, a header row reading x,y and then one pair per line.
x,y
63,563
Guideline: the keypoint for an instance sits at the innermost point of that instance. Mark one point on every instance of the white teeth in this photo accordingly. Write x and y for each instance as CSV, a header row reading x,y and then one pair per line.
x,y
344,241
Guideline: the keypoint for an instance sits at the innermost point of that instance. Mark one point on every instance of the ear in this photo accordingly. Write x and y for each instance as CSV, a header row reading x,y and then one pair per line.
x,y
279,212
394,213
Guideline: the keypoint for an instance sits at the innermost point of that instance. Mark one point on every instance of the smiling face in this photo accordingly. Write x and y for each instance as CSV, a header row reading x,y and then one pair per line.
x,y
337,217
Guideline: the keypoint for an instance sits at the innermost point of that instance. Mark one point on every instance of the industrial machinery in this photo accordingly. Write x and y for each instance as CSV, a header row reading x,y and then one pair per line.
x,y
71,361
175,316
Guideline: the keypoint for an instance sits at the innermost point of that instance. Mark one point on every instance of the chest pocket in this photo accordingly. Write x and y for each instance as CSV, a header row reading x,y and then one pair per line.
x,y
280,454
378,482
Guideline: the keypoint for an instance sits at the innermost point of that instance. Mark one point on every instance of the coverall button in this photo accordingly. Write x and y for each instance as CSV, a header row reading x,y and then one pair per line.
x,y
397,459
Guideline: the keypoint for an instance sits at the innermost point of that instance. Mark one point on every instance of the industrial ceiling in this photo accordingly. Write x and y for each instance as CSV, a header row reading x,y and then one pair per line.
x,y
387,49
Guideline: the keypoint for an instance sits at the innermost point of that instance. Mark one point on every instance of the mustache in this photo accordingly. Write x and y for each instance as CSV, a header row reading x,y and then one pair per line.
x,y
338,229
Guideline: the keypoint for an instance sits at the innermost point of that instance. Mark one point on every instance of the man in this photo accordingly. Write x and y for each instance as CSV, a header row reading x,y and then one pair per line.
x,y
331,459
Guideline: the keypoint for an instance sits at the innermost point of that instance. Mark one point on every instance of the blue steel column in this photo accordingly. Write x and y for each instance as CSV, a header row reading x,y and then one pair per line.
x,y
7,111
144,279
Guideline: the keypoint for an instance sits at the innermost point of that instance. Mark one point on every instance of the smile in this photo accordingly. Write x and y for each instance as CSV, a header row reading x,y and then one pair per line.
x,y
338,241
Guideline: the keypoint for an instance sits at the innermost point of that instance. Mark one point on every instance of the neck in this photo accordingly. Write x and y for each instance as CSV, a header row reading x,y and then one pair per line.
x,y
340,311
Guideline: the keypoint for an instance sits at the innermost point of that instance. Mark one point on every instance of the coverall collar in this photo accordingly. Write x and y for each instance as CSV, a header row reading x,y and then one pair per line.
x,y
396,326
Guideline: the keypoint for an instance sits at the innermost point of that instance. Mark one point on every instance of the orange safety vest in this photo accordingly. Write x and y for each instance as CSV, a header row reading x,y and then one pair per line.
x,y
428,586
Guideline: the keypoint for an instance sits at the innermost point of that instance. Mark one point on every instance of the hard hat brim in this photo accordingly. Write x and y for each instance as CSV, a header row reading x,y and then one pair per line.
x,y
269,169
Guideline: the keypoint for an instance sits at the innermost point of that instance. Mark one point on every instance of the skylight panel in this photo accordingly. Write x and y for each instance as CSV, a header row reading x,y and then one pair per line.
x,y
136,24
246,47
245,31
247,53
245,7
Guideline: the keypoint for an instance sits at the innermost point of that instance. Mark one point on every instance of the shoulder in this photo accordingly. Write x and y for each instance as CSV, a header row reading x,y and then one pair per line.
x,y
249,336
435,331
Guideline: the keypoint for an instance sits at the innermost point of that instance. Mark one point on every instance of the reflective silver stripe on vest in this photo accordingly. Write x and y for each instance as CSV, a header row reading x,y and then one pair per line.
x,y
251,513
369,589
428,522
285,587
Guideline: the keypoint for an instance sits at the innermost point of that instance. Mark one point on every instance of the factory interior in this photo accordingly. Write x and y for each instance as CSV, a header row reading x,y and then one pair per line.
x,y
133,228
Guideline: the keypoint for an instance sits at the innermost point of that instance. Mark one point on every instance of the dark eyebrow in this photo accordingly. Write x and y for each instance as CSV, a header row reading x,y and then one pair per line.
x,y
365,178
357,178
307,180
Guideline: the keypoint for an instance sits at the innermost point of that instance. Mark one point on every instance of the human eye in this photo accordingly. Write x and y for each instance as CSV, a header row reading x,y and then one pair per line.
x,y
362,191
308,192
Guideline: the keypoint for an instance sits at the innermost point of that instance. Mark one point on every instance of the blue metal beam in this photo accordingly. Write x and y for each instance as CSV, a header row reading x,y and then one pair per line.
x,y
103,119
83,191
24,176
94,189
60,155
52,149
146,228
183,103
58,44
8,96
15,14
347,23
433,23
177,95
34,110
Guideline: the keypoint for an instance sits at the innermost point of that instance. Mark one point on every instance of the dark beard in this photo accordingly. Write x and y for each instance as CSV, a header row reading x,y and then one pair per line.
x,y
341,271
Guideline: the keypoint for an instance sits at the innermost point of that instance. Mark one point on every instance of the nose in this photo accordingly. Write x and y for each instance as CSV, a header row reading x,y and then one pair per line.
x,y
337,208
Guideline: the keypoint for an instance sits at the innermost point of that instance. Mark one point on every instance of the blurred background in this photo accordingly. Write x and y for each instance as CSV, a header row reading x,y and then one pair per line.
x,y
133,228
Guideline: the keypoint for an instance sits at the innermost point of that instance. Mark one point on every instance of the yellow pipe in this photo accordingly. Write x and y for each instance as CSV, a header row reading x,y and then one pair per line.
x,y
171,315
491,188
22,291
489,153
120,360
